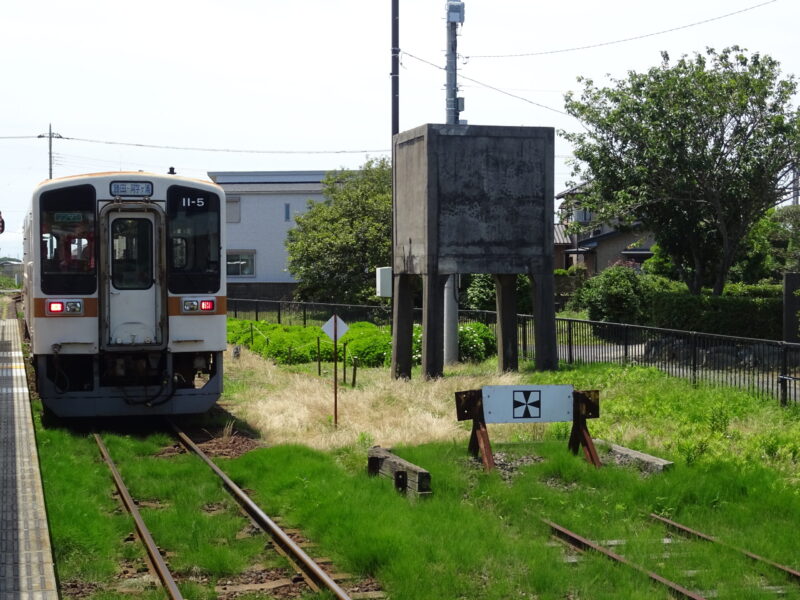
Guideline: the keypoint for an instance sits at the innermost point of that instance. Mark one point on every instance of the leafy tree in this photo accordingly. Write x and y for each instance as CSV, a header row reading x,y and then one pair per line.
x,y
758,258
337,244
697,152
785,239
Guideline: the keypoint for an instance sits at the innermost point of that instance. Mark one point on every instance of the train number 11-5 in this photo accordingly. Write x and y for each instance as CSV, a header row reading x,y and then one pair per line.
x,y
188,202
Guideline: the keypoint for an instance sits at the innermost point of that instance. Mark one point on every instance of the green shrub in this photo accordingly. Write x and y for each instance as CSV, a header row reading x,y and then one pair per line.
x,y
476,342
294,344
615,295
372,345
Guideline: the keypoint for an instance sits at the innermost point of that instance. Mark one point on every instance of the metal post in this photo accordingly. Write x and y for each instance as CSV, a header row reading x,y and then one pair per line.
x,y
569,341
452,104
450,320
784,375
693,336
335,373
279,313
455,16
50,135
344,362
625,341
395,67
50,147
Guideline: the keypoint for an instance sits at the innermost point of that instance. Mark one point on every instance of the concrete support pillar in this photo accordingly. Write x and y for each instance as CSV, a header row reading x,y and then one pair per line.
x,y
402,326
507,343
433,325
544,320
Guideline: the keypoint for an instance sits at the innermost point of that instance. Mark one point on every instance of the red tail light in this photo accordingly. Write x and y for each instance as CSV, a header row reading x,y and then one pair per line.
x,y
206,305
55,307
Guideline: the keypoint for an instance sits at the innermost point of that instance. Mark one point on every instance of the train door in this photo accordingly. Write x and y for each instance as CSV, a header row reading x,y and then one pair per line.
x,y
133,289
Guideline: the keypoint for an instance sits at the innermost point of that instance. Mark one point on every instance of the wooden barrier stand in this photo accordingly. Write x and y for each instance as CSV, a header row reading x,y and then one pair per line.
x,y
528,404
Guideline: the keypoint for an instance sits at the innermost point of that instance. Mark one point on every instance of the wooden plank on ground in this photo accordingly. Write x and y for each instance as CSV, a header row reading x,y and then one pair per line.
x,y
645,462
407,477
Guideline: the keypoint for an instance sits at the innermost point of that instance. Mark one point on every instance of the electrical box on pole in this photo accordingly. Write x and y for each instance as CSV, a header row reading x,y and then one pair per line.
x,y
455,12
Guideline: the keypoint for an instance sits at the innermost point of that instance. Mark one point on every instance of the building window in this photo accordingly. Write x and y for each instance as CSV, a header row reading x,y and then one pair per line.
x,y
241,263
233,210
287,213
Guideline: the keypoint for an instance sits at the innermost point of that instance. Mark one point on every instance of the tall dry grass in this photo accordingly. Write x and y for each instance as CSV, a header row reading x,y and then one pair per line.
x,y
289,407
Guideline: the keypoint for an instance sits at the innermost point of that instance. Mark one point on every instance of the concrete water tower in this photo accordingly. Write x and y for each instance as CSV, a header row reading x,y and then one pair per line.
x,y
473,199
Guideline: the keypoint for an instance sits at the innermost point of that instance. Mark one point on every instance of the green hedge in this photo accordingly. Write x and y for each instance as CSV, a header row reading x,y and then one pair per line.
x,y
742,316
621,295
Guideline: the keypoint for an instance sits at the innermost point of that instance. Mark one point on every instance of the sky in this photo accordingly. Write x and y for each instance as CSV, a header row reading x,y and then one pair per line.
x,y
287,85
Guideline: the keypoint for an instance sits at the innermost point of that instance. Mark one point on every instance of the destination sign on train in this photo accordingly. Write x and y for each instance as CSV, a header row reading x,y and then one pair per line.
x,y
131,188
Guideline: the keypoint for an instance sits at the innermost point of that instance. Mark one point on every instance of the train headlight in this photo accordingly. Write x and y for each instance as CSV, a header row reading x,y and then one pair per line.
x,y
72,307
191,305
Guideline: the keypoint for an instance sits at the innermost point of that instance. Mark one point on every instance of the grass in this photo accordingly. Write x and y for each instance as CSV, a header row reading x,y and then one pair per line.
x,y
86,528
736,461
480,535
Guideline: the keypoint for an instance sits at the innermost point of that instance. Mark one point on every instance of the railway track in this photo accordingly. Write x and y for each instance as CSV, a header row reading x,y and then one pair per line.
x,y
765,568
311,571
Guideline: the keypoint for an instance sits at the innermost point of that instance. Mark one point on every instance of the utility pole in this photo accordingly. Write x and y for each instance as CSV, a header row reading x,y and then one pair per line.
x,y
50,135
454,105
395,67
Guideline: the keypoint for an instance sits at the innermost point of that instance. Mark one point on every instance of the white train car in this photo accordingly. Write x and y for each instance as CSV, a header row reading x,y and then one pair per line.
x,y
124,293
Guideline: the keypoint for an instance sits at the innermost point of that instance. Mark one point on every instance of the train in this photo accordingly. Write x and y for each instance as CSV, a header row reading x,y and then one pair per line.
x,y
124,294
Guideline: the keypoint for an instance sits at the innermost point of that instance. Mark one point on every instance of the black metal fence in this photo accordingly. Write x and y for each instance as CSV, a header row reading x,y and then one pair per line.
x,y
306,313
764,367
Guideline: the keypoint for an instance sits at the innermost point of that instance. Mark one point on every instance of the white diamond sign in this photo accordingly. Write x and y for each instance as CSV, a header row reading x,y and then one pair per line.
x,y
340,327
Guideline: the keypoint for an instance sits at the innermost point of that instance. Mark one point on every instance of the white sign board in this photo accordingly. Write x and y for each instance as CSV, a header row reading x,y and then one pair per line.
x,y
341,328
527,403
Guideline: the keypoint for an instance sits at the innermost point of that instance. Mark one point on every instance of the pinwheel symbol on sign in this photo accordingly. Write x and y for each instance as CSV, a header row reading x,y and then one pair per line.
x,y
527,404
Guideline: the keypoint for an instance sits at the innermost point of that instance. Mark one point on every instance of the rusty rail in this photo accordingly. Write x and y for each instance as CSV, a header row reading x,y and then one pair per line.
x,y
313,574
584,544
794,574
156,561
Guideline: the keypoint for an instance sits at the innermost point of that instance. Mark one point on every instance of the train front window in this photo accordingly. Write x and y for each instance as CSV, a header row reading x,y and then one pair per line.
x,y
193,255
67,240
132,254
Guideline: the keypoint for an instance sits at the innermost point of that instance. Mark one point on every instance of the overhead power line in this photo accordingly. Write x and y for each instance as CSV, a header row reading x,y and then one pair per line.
x,y
229,150
486,85
628,39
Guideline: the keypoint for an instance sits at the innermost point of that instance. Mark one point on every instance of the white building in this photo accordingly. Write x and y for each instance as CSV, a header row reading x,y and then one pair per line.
x,y
261,207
